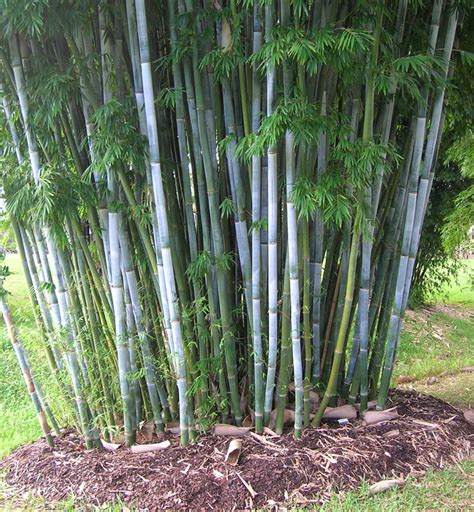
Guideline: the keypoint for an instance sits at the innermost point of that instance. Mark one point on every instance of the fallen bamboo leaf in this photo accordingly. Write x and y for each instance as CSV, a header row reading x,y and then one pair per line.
x,y
233,452
375,417
384,485
142,448
110,447
222,429
338,413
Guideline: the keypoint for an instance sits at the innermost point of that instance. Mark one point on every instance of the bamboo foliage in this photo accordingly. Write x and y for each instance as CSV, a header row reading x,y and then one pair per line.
x,y
222,202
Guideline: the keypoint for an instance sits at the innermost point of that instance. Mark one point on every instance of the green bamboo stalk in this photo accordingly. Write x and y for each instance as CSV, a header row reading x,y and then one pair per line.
x,y
160,204
256,249
332,382
397,309
272,192
223,277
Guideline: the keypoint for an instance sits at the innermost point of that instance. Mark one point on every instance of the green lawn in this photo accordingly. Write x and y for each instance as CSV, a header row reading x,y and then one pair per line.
x,y
19,424
450,489
460,290
434,343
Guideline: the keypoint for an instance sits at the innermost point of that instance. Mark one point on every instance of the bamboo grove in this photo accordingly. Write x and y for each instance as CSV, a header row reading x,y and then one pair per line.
x,y
218,204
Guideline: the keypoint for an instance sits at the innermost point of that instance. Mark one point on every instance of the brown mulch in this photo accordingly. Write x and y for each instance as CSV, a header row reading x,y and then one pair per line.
x,y
271,470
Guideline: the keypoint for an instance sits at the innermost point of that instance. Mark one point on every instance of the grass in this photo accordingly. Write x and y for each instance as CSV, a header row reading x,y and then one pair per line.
x,y
450,489
436,342
460,290
456,389
19,424
12,502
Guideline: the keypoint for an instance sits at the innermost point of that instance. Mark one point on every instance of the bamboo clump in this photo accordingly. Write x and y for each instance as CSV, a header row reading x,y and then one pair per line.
x,y
218,205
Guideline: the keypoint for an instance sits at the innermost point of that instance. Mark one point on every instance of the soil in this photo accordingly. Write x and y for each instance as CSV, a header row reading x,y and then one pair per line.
x,y
271,470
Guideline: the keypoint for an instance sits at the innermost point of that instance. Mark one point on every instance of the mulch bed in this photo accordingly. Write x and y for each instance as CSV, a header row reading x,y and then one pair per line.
x,y
429,434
